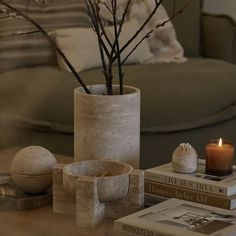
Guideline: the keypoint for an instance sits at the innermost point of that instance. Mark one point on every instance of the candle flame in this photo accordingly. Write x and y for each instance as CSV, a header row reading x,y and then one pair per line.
x,y
220,142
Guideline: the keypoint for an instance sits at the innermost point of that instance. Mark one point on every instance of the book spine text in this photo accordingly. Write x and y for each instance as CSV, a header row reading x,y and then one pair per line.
x,y
134,230
185,183
170,191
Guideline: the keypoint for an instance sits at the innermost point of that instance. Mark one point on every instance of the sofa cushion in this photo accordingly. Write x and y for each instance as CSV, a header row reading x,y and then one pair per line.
x,y
80,45
187,25
34,49
37,97
174,97
162,41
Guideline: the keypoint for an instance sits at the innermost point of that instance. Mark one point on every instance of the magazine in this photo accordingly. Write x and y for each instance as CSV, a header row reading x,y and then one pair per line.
x,y
176,217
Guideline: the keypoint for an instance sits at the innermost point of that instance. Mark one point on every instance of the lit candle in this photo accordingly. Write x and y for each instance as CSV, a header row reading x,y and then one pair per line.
x,y
219,157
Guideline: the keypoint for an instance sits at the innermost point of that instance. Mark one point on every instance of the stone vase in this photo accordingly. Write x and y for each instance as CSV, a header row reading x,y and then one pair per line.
x,y
107,126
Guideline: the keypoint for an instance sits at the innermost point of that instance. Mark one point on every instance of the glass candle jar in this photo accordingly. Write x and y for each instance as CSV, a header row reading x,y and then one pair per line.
x,y
219,157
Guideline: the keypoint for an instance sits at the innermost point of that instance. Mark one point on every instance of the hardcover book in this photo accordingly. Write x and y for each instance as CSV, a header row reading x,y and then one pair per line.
x,y
153,199
171,191
221,185
176,217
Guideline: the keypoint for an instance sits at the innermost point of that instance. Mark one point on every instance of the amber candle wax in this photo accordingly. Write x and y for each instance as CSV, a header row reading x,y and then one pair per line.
x,y
219,157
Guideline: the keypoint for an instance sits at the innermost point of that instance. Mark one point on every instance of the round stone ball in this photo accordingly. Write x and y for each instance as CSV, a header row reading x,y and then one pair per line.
x,y
31,169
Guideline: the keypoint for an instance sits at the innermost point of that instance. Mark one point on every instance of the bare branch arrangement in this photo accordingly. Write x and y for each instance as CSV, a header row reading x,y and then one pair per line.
x,y
110,49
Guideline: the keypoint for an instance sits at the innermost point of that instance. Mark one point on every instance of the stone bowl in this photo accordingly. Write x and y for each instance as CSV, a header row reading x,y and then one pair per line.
x,y
112,187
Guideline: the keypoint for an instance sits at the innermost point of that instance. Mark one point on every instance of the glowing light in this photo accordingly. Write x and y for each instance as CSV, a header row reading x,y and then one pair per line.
x,y
220,142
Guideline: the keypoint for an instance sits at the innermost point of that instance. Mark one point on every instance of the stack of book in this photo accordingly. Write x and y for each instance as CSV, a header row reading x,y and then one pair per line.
x,y
162,183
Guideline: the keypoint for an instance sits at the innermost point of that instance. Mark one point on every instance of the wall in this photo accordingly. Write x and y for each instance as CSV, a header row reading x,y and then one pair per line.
x,y
227,7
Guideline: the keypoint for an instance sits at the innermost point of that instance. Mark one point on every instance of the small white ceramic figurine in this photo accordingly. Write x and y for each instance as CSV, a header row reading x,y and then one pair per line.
x,y
184,159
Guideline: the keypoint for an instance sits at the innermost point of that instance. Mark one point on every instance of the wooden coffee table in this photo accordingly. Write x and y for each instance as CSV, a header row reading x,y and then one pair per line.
x,y
42,221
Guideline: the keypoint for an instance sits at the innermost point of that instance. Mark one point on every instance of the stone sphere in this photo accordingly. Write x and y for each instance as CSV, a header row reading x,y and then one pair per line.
x,y
31,169
185,159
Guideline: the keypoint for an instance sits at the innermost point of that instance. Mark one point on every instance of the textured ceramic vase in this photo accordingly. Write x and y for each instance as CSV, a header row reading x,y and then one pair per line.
x,y
107,127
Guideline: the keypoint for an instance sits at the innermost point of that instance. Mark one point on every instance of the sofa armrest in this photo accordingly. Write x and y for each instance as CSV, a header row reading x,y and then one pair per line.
x,y
219,37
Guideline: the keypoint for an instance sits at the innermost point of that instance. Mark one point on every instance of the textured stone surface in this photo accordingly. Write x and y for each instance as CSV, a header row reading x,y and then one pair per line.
x,y
107,127
111,187
32,183
185,159
25,201
33,160
31,169
63,202
132,202
89,210
96,197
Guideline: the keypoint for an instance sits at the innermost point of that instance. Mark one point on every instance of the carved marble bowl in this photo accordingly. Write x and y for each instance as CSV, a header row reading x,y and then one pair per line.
x,y
112,177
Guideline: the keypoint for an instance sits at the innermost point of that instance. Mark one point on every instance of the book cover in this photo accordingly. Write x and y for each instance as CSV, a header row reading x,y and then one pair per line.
x,y
176,217
221,185
153,199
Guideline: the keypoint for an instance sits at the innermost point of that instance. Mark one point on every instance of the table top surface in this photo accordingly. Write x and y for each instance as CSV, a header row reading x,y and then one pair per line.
x,y
42,221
